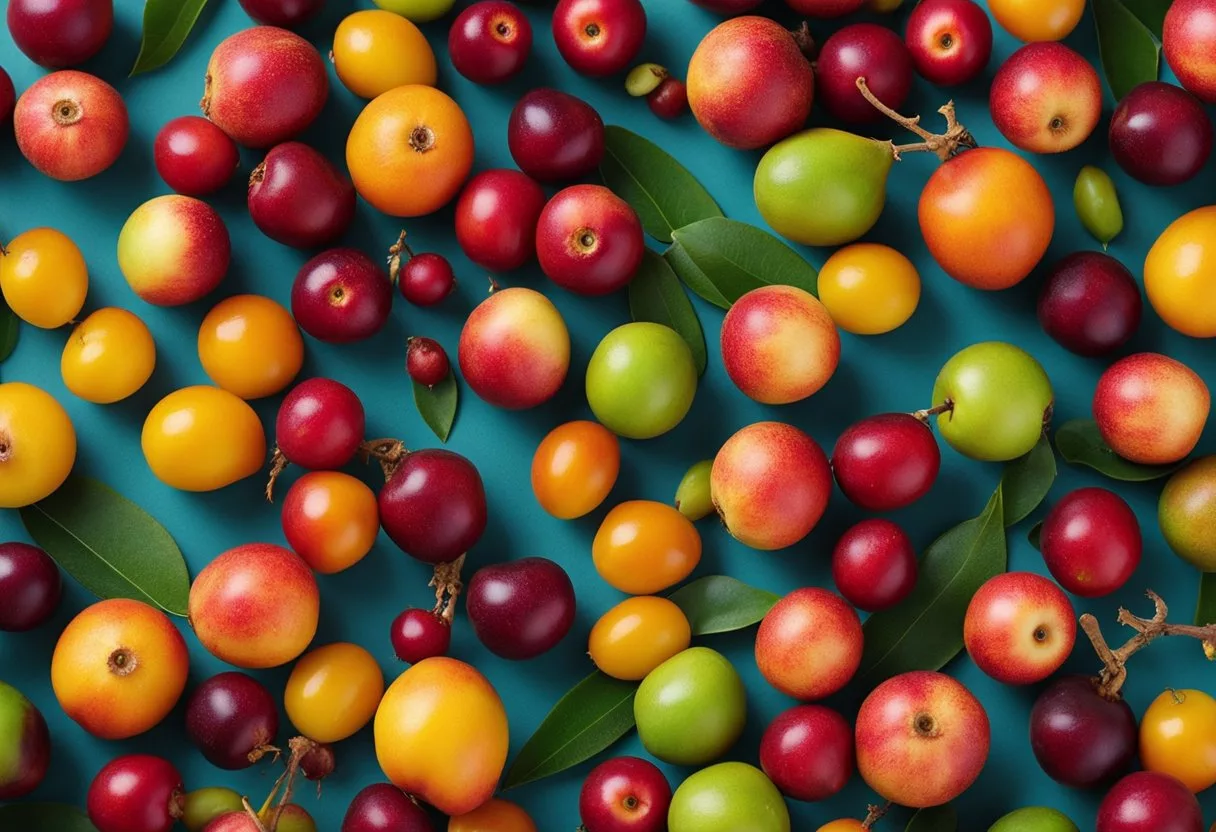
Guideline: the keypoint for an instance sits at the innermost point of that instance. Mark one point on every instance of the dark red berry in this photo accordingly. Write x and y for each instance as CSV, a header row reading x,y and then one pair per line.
x,y
554,136
489,41
59,33
419,634
669,99
426,278
599,37
383,807
874,565
233,720
807,751
1160,134
625,794
299,198
320,424
434,505
135,793
862,50
30,587
496,219
1149,801
318,762
285,13
1090,303
194,157
886,462
8,96
341,296
522,608
1091,542
1081,738
426,362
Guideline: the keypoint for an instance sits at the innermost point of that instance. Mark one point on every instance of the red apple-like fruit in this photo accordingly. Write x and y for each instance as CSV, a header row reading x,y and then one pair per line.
x,y
1151,408
1019,628
59,33
299,198
1148,801
489,41
862,50
807,751
950,40
1046,98
599,37
71,125
1160,134
874,565
174,250
1091,542
496,219
434,505
625,794
887,461
1189,42
341,296
589,240
1090,303
824,8
554,136
809,644
194,157
922,739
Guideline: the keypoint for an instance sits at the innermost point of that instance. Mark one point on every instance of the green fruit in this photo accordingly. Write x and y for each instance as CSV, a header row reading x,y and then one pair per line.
x,y
641,380
692,496
205,805
25,744
823,187
419,11
292,818
691,708
1097,204
1187,513
728,797
1034,819
644,79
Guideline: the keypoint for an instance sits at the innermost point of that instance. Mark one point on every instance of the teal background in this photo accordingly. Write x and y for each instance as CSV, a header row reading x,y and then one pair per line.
x,y
876,374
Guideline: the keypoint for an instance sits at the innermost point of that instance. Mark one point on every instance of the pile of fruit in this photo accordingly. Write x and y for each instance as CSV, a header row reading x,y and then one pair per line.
x,y
593,241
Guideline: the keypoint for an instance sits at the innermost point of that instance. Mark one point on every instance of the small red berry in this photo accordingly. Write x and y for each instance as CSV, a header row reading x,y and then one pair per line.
x,y
135,793
874,565
669,99
426,362
319,762
426,279
194,157
419,634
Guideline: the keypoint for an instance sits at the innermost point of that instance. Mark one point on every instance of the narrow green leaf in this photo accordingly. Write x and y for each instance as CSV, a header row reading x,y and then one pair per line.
x,y
44,817
1027,480
437,405
1036,531
661,190
935,819
692,277
167,23
1205,610
721,604
1129,52
736,258
1150,12
10,328
655,295
593,715
1080,443
111,545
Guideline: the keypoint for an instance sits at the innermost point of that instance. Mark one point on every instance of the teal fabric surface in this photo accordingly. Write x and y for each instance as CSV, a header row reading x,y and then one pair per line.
x,y
876,374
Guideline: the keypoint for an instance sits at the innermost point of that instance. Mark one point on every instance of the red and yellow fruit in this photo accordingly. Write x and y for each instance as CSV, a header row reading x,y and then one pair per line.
x,y
330,519
37,444
250,346
173,250
643,547
1037,20
333,692
809,644
203,438
1151,408
1189,42
43,277
1020,627
495,815
71,125
1180,273
1187,513
109,356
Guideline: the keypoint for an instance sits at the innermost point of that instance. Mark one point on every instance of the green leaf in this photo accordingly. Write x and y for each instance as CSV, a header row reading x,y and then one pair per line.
x,y
1130,54
655,295
112,546
1205,610
1080,443
1036,531
167,23
1150,12
721,604
595,713
437,405
736,258
44,817
935,819
661,190
1027,480
10,328
693,277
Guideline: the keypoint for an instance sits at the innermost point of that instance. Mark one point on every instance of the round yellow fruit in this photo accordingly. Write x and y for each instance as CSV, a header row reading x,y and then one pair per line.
x,y
43,277
869,288
37,444
108,357
203,438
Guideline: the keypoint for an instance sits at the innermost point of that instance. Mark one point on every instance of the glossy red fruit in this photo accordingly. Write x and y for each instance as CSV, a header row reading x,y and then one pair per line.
x,y
864,50
1188,40
318,762
8,96
135,793
554,136
285,13
233,720
496,219
874,565
382,807
299,198
71,125
419,634
426,278
489,41
30,587
1079,737
1148,801
807,751
599,37
950,40
1091,542
1020,628
59,33
1160,134
589,240
1045,98
825,8
434,505
341,295
320,424
522,608
194,157
886,462
669,99
1090,303
624,794
426,362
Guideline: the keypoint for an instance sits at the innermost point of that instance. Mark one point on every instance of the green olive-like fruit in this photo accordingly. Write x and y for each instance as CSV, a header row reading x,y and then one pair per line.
x,y
728,797
691,708
1034,819
693,498
641,380
1097,204
419,11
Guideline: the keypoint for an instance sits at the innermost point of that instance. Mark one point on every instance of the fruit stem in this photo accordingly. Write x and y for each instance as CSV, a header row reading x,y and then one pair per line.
x,y
448,586
388,452
804,39
205,104
278,464
945,145
394,257
300,746
875,814
6,446
257,821
945,407
257,174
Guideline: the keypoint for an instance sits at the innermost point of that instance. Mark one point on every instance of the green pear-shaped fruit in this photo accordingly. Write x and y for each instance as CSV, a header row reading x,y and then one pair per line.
x,y
728,797
691,708
1187,513
693,499
1034,819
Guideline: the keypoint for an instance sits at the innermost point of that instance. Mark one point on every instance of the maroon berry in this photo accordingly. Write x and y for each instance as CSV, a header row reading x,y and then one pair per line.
x,y
522,608
1081,738
383,807
135,793
669,99
194,157
1149,801
434,505
320,424
886,462
30,587
425,279
1090,304
862,50
318,762
426,362
589,240
625,794
299,198
285,13
233,720
874,565
8,96
341,295
1091,542
950,40
554,136
1160,134
419,634
807,751
599,37
59,33
496,219
489,41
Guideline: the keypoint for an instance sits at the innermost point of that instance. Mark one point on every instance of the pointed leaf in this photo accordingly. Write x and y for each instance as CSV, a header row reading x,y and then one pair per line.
x,y
1027,480
595,713
692,277
10,328
736,258
1080,443
1130,54
721,604
935,819
1150,12
111,545
437,405
655,295
1205,610
661,190
167,23
44,817
1036,531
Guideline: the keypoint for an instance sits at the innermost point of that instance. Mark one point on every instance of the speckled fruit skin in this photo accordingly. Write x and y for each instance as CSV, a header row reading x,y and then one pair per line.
x,y
515,349
1187,513
1151,408
30,587
1019,628
341,296
1046,98
71,125
625,794
1091,542
749,83
950,40
1147,801
63,33
1090,303
770,485
174,250
599,37
382,807
496,219
862,50
589,240
807,751
887,461
264,85
434,505
554,136
1160,134
874,564
25,744
1189,42
299,198
809,644
489,41
1080,738
779,344
135,793
522,608
194,157
255,606
922,739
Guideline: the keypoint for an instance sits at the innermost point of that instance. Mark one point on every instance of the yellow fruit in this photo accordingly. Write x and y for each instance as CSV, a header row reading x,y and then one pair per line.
x,y
869,288
1180,274
376,51
203,438
250,346
37,444
638,635
43,277
333,692
108,357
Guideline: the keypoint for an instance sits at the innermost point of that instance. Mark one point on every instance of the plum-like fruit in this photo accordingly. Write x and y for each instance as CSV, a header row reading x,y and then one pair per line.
x,y
489,41
691,708
824,8
264,85
589,240
71,125
670,99
887,461
998,399
382,807
599,37
625,794
1188,40
1091,542
426,278
1034,819
807,751
641,380
779,344
1148,801
299,198
770,484
341,296
1080,737
425,361
554,136
922,739
522,608
233,720
320,424
1019,628
950,40
59,33
174,250
874,565
1186,513
728,797
8,96
419,634
25,744
1046,98
496,218
135,793
515,349
285,13
862,50
1160,134
30,587
809,644
1090,303
749,83
194,157
1151,408
434,505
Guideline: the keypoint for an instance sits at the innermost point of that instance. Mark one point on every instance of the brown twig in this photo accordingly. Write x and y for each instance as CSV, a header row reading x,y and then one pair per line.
x,y
945,407
448,586
875,814
278,464
257,821
945,145
388,452
394,256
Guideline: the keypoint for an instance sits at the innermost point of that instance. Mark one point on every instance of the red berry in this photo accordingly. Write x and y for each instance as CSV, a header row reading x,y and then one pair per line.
x,y
135,793
862,50
341,295
1090,303
554,136
669,99
874,565
625,794
194,157
807,751
589,240
1149,801
320,424
886,462
425,279
285,13
299,198
434,505
426,362
1091,542
950,40
496,219
233,720
382,807
59,33
419,634
1081,738
599,37
318,762
30,587
522,608
8,96
489,41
